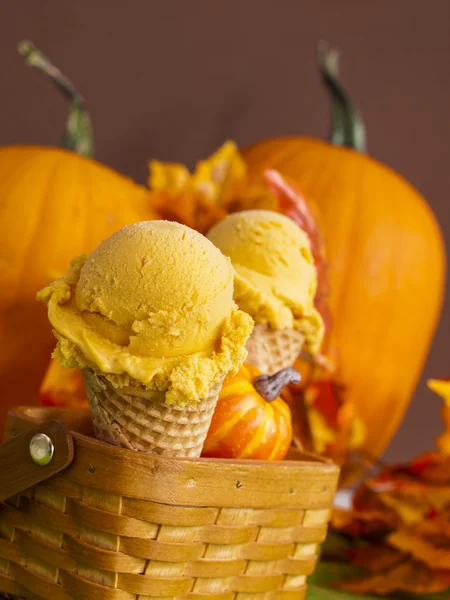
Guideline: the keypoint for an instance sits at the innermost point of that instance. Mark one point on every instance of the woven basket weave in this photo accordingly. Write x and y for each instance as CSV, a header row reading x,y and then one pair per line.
x,y
121,525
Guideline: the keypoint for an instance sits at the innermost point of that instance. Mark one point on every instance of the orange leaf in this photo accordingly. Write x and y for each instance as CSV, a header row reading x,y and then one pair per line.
x,y
442,388
293,204
407,576
430,467
375,558
222,176
335,424
443,441
433,551
418,496
362,523
167,177
405,510
435,524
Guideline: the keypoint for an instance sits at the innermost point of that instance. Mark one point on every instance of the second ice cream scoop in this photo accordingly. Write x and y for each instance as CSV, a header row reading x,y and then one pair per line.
x,y
275,275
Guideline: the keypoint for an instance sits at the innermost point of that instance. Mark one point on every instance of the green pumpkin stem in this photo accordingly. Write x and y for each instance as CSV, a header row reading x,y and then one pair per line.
x,y
78,134
271,386
347,126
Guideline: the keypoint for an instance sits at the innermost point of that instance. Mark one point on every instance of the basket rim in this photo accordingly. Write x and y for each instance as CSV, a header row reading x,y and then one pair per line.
x,y
308,482
30,416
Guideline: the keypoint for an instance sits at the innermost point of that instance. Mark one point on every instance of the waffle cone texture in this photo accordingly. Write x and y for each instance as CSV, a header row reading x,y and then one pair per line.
x,y
140,419
271,350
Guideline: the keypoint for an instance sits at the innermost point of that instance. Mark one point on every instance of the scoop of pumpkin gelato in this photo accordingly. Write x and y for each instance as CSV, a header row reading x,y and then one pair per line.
x,y
152,306
275,274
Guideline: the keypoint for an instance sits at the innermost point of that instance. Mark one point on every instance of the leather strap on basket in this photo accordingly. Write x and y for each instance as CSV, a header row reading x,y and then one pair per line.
x,y
18,471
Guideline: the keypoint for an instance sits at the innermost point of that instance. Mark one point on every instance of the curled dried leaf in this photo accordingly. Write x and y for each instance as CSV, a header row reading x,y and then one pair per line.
x,y
362,523
408,576
376,558
201,199
442,388
335,424
400,523
432,550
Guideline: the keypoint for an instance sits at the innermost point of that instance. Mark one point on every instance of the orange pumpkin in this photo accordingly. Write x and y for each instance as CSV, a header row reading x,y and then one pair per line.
x,y
247,424
386,261
54,204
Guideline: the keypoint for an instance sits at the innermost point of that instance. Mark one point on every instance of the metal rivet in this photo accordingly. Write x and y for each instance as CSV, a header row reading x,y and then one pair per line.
x,y
191,482
291,490
41,449
91,469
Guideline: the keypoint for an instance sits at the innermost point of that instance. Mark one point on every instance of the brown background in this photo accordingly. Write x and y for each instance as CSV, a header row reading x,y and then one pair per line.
x,y
173,79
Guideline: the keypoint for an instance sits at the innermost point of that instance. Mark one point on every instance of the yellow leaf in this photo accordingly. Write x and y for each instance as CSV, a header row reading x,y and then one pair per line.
x,y
406,509
349,419
432,551
322,434
219,177
441,387
168,177
216,182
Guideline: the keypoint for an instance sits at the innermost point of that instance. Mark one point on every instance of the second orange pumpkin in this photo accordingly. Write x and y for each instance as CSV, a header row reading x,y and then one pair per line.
x,y
386,266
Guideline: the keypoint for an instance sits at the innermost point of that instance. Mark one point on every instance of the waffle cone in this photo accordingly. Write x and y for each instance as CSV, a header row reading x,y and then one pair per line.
x,y
142,421
271,350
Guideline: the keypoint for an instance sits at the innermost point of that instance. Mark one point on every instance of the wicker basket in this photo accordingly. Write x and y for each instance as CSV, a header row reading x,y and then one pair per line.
x,y
106,523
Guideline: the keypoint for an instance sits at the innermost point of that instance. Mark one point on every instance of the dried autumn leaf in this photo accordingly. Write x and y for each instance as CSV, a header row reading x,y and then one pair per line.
x,y
322,435
365,499
176,206
293,204
418,496
200,199
432,550
413,500
334,423
430,467
221,177
362,523
442,388
375,558
168,177
408,576
189,208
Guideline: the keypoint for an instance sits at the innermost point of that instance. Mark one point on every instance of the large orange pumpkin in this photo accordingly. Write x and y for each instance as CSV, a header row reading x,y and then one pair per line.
x,y
54,204
386,261
250,420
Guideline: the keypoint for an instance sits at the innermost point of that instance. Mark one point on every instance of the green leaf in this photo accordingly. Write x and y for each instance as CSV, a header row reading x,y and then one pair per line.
x,y
316,592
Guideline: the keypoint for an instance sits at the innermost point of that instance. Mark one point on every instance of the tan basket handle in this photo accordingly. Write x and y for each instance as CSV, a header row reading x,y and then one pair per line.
x,y
33,456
